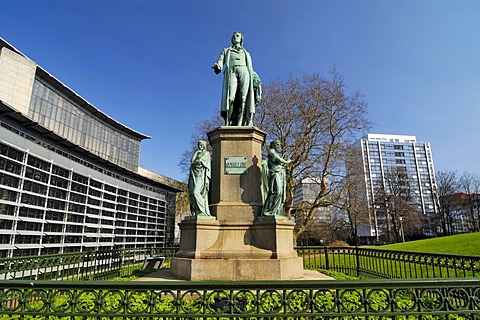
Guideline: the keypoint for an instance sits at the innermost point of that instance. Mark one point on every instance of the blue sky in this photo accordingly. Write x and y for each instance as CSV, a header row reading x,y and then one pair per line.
x,y
147,63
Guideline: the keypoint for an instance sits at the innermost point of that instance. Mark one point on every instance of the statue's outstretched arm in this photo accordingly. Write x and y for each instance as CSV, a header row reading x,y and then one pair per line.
x,y
217,67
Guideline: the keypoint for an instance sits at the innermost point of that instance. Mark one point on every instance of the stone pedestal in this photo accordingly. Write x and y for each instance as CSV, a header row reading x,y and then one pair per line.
x,y
236,197
236,244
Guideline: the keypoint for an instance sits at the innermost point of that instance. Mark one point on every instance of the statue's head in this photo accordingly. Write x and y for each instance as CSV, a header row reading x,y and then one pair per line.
x,y
275,144
202,144
237,37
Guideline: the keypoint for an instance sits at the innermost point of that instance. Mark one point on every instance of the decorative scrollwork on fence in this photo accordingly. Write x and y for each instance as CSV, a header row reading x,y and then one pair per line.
x,y
257,299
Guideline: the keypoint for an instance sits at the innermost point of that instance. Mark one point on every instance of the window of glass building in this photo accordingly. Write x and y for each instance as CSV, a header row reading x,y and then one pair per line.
x,y
38,163
75,218
4,239
10,166
72,228
34,187
80,188
110,188
36,174
73,239
93,202
51,227
24,252
79,178
90,229
33,200
8,195
6,224
91,220
59,171
56,204
108,205
28,225
51,250
57,193
59,182
9,181
95,193
11,153
31,213
55,215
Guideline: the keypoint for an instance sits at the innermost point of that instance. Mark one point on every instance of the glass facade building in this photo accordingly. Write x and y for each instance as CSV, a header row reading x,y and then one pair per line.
x,y
54,111
410,160
69,175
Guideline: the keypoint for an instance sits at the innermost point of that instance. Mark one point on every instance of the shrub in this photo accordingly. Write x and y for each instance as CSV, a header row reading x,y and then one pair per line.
x,y
339,243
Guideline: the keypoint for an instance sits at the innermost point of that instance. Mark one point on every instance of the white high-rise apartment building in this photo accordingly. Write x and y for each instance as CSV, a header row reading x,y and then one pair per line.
x,y
383,154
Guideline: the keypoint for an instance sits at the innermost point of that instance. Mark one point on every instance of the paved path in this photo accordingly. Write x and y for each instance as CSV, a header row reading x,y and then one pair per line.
x,y
164,275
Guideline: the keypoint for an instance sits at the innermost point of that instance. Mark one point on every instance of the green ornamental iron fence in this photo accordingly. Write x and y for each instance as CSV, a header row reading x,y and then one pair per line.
x,y
92,265
363,299
453,295
361,262
375,263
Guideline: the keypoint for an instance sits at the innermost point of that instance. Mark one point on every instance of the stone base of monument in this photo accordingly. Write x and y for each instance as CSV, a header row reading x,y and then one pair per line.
x,y
262,250
237,269
236,242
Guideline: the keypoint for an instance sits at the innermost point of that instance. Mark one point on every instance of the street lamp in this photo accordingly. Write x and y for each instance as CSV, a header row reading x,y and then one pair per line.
x,y
401,228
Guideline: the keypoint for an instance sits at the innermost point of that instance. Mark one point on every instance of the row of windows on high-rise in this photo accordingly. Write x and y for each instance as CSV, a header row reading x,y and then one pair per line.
x,y
405,146
396,154
50,109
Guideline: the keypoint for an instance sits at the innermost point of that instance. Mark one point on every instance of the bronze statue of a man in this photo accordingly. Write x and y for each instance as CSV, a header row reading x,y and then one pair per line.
x,y
238,95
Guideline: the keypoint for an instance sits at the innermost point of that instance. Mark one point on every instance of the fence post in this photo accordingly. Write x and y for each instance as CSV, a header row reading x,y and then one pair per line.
x,y
121,254
357,255
327,264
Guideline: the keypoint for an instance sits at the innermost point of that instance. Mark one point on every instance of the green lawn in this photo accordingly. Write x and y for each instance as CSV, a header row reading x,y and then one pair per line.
x,y
463,244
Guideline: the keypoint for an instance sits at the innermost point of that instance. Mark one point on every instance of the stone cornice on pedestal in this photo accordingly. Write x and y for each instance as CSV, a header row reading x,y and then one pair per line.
x,y
236,133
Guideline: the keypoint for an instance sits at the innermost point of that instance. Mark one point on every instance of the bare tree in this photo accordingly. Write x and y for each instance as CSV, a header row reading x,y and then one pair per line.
x,y
353,201
337,227
316,233
315,120
447,189
408,221
398,183
398,210
470,185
